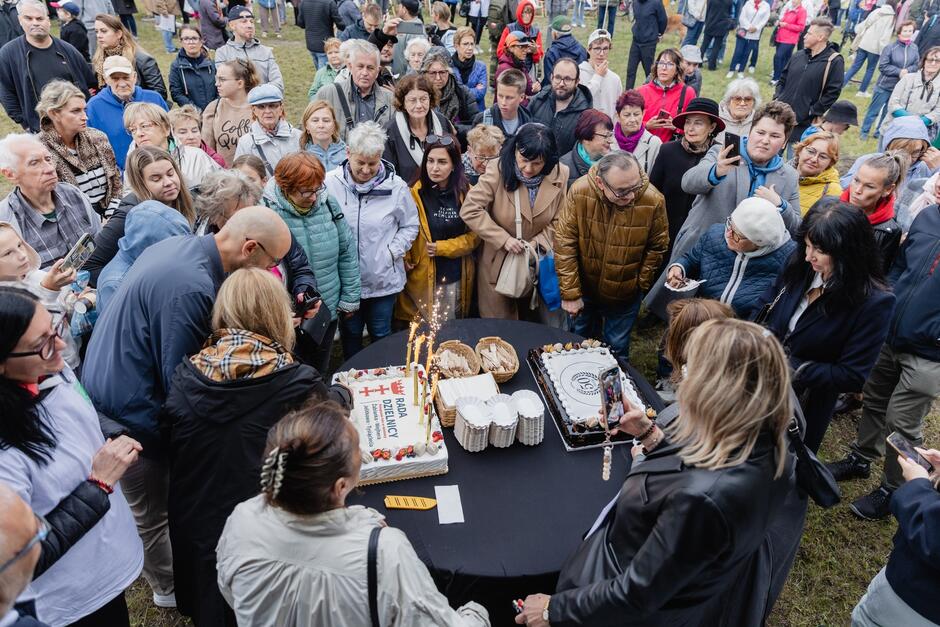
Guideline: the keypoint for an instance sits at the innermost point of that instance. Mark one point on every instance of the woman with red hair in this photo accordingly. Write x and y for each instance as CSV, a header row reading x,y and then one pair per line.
x,y
296,192
593,134
631,132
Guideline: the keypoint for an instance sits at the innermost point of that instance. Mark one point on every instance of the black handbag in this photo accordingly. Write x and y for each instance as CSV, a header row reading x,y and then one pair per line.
x,y
464,10
593,561
812,476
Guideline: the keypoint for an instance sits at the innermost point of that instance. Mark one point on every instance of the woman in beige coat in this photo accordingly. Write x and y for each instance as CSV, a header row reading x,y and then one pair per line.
x,y
528,164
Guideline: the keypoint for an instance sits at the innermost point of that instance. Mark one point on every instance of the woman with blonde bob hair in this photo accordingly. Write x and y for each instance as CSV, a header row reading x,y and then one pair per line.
x,y
687,525
151,174
149,125
815,162
319,134
221,403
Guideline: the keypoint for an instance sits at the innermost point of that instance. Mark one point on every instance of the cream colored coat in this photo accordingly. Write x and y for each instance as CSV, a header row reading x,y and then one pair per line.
x,y
279,569
489,211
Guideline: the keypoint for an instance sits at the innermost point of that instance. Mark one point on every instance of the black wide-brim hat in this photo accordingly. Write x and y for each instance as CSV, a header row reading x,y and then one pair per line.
x,y
701,106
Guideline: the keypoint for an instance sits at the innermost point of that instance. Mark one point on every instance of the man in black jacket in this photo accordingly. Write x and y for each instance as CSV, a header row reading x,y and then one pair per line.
x,y
30,62
649,24
9,22
317,18
558,105
812,80
72,30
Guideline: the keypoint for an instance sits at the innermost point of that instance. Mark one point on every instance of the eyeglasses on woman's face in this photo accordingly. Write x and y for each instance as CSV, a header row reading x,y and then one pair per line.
x,y
733,235
47,350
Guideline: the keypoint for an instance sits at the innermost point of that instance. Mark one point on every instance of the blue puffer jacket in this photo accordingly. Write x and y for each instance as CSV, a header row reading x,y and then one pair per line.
x,y
894,58
325,236
915,277
564,46
477,77
192,81
150,222
734,278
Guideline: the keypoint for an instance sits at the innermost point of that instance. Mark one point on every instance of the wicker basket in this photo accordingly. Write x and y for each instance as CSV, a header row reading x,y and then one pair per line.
x,y
501,377
464,351
447,415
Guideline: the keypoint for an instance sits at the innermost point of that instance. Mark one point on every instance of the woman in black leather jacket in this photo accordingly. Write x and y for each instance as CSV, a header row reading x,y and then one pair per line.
x,y
688,522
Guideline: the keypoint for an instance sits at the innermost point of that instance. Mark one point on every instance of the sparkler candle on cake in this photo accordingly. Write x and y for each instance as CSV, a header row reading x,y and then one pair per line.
x,y
435,379
417,360
411,337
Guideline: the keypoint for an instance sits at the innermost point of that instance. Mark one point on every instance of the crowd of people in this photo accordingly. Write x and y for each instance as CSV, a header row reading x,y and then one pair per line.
x,y
166,410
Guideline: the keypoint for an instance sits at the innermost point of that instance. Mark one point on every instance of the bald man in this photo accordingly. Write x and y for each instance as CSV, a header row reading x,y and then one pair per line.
x,y
18,529
159,316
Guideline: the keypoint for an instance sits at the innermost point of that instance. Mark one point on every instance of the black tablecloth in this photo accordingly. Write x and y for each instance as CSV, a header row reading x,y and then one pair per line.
x,y
525,508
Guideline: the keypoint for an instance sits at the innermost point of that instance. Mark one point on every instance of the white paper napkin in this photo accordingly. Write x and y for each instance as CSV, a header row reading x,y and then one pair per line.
x,y
449,509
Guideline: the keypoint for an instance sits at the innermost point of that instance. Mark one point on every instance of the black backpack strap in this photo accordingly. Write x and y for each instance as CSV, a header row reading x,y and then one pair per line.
x,y
373,579
344,105
682,99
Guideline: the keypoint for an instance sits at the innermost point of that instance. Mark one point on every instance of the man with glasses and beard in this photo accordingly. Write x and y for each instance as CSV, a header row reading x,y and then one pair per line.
x,y
559,107
610,239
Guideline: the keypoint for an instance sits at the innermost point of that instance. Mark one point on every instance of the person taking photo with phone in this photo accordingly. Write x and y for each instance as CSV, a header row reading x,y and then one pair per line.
x,y
904,591
721,181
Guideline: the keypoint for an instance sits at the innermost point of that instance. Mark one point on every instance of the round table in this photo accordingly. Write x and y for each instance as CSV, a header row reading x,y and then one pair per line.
x,y
525,507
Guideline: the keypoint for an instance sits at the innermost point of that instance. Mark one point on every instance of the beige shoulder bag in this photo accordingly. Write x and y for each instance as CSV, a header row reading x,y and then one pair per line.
x,y
519,273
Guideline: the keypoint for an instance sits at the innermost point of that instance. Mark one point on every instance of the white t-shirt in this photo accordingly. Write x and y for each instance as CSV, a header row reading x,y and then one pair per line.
x,y
107,559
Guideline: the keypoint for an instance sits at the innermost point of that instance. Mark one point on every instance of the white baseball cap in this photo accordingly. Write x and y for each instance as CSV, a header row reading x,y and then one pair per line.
x,y
600,33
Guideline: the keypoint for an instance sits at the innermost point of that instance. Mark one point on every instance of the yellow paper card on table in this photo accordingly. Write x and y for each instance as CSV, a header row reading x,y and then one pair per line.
x,y
409,502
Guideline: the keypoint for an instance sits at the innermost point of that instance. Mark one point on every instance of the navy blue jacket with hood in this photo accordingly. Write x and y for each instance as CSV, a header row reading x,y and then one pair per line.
x,y
150,222
563,46
915,276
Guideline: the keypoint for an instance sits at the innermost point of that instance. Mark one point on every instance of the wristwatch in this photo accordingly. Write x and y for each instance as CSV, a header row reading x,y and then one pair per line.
x,y
545,611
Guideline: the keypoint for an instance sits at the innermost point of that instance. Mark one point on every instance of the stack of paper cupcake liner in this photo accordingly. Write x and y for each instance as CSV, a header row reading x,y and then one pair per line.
x,y
504,420
531,411
472,424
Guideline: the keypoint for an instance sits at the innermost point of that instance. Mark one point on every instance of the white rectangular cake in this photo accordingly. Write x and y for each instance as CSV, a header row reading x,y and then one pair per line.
x,y
393,437
573,373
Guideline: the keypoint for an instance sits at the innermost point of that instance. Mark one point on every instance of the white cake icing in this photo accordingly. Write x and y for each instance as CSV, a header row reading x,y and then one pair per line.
x,y
388,421
573,374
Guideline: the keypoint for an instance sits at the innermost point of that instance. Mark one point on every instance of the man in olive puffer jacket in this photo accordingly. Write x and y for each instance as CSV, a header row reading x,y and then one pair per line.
x,y
610,239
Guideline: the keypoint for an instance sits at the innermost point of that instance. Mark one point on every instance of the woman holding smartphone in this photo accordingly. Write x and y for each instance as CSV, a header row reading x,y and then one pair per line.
x,y
690,518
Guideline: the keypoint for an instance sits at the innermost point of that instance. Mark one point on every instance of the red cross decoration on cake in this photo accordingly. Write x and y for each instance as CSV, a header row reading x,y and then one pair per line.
x,y
382,389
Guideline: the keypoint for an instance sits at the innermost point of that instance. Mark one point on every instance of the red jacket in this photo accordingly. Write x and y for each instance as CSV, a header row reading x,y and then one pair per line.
x,y
657,99
531,30
791,25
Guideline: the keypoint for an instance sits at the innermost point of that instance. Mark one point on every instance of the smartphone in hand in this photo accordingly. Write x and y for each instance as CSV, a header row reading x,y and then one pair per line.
x,y
81,251
735,142
905,448
611,389
309,298
663,115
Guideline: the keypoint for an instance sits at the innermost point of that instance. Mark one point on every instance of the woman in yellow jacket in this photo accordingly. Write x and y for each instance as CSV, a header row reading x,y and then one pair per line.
x,y
816,159
440,263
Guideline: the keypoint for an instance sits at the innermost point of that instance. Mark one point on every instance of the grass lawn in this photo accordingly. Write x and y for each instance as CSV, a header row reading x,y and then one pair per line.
x,y
839,554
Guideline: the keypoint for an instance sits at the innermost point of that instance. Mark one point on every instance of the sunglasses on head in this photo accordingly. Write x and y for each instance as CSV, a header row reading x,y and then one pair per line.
x,y
438,140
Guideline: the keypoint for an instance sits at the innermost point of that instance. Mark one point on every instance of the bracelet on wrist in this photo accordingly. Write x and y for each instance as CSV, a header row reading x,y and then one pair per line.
x,y
101,484
647,433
